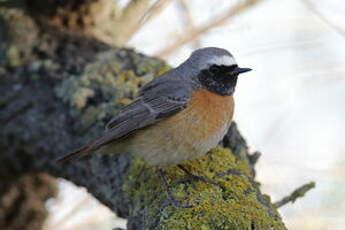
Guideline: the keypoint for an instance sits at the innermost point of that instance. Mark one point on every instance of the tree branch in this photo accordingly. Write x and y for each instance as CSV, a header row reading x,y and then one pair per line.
x,y
154,11
296,194
116,29
312,8
188,20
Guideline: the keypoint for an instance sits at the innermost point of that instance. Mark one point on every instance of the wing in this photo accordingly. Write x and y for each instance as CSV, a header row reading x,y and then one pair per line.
x,y
157,100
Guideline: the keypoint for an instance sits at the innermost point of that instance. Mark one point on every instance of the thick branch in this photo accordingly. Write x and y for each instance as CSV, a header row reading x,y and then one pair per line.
x,y
128,23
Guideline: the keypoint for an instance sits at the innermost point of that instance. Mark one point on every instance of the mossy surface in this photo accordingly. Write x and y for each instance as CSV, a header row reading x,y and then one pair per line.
x,y
235,204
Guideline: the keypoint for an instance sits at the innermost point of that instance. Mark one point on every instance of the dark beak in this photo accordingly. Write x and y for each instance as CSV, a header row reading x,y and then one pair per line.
x,y
239,70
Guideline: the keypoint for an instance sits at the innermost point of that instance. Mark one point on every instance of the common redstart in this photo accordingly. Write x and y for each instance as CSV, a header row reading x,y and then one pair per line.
x,y
178,116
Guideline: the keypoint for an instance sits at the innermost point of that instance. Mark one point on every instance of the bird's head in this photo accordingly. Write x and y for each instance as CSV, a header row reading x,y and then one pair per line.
x,y
215,69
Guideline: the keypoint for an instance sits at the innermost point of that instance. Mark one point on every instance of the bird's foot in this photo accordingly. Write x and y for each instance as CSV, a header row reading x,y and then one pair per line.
x,y
175,203
191,177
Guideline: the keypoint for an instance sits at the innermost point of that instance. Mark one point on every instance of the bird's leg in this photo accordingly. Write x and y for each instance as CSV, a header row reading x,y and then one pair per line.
x,y
192,177
172,201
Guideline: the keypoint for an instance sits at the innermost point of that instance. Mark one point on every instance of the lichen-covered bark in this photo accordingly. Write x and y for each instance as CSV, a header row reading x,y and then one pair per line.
x,y
60,92
236,204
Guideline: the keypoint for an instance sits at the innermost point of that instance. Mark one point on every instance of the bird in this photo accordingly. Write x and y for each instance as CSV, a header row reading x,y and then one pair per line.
x,y
178,116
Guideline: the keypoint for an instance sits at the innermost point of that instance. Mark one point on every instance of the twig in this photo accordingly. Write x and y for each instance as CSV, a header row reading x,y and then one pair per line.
x,y
298,193
313,9
197,32
187,20
153,11
254,157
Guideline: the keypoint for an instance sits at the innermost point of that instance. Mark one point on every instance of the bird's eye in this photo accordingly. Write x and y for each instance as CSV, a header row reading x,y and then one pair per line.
x,y
232,68
215,69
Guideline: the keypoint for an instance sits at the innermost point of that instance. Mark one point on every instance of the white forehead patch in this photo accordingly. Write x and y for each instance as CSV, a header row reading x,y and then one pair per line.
x,y
222,60
219,60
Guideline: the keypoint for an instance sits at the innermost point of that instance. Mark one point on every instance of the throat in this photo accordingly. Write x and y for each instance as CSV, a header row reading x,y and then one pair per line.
x,y
224,86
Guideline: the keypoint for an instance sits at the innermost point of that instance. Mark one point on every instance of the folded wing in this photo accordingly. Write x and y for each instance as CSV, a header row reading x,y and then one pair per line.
x,y
157,100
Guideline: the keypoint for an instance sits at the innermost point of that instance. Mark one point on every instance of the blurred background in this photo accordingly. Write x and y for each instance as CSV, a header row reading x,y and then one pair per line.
x,y
291,107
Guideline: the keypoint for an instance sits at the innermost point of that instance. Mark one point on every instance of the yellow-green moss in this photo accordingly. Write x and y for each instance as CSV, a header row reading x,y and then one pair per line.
x,y
234,206
13,57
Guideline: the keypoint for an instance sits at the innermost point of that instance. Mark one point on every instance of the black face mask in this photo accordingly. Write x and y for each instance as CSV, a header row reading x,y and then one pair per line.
x,y
220,79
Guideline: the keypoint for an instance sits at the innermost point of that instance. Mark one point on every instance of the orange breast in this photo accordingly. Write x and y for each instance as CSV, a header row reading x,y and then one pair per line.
x,y
187,134
212,110
205,120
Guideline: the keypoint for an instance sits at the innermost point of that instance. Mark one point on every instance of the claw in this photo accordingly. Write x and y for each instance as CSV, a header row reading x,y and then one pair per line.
x,y
190,178
196,177
175,203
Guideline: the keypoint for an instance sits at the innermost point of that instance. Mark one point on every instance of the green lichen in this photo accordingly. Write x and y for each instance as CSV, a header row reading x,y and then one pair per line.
x,y
236,204
106,84
13,57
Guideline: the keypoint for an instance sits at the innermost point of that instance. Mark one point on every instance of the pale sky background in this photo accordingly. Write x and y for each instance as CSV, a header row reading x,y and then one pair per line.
x,y
291,107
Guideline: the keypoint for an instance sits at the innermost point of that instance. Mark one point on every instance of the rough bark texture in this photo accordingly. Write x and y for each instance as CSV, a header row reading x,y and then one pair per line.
x,y
58,90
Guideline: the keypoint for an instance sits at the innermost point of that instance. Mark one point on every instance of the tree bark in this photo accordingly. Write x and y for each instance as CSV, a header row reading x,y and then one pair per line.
x,y
22,201
58,90
101,19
